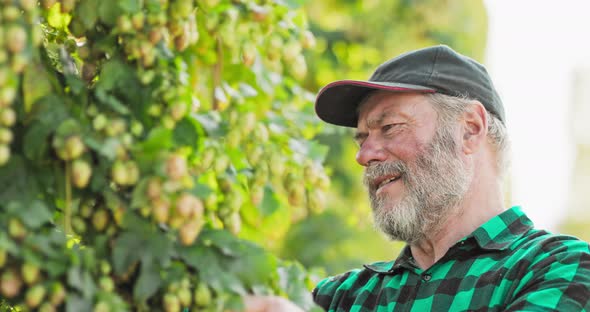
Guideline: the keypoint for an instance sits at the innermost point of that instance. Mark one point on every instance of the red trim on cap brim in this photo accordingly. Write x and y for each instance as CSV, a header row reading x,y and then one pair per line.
x,y
376,86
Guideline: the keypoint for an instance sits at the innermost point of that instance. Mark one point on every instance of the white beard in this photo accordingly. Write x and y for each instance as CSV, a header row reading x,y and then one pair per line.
x,y
435,185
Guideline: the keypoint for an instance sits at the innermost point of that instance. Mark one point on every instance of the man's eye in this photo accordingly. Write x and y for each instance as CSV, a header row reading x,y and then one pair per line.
x,y
359,142
388,127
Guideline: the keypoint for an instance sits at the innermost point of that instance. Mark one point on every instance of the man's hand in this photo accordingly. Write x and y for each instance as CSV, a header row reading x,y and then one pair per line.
x,y
269,304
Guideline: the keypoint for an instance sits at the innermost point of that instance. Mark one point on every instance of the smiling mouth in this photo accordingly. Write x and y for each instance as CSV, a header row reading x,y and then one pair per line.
x,y
386,182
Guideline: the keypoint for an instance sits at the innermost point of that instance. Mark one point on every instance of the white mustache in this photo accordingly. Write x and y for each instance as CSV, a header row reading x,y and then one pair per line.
x,y
373,172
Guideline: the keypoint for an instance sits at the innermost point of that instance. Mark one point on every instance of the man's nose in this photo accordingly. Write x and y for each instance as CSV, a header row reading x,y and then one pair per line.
x,y
370,151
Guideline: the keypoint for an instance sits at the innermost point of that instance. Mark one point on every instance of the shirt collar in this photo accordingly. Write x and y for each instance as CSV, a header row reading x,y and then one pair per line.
x,y
498,233
404,260
502,230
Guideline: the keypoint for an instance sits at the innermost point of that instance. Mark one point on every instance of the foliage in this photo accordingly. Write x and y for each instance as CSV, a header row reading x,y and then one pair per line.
x,y
354,37
139,139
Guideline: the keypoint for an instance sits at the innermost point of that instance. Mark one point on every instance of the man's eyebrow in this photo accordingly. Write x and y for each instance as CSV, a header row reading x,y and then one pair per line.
x,y
359,136
374,123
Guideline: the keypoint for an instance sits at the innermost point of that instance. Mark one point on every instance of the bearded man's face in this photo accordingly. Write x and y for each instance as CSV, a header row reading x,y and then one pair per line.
x,y
414,184
434,185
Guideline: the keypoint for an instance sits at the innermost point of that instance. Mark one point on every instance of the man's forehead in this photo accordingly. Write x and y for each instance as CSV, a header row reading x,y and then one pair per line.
x,y
390,105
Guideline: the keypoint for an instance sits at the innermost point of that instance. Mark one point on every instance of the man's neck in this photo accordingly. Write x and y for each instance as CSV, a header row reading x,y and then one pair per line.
x,y
468,216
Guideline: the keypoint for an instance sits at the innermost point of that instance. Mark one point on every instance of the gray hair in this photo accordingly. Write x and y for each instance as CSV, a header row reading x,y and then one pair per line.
x,y
450,107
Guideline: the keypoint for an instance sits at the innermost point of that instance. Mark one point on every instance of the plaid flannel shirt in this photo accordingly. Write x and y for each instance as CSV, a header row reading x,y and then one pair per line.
x,y
504,265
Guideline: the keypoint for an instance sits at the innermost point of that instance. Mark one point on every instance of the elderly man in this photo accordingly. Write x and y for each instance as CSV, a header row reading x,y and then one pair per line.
x,y
431,135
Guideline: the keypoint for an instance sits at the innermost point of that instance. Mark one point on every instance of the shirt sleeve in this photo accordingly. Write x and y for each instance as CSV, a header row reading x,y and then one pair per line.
x,y
558,279
326,291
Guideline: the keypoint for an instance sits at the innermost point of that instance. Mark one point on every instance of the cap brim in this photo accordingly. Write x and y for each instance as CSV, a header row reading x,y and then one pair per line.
x,y
337,102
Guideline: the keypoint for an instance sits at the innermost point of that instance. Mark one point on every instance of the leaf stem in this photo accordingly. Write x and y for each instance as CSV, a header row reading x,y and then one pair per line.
x,y
217,68
68,206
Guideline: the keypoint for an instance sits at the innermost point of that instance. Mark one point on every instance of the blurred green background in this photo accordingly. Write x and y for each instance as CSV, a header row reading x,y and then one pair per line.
x,y
353,38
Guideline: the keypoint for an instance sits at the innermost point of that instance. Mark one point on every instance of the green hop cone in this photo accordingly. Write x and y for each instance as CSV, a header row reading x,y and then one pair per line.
x,y
34,296
3,256
100,220
6,136
81,172
171,303
30,273
74,147
16,38
10,284
4,154
57,294
202,295
46,307
16,228
106,283
184,296
7,117
102,306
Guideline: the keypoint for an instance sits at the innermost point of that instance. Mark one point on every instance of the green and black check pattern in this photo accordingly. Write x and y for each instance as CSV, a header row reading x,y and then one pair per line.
x,y
504,265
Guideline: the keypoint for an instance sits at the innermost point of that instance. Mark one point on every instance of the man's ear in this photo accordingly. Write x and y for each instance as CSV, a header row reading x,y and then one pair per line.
x,y
475,127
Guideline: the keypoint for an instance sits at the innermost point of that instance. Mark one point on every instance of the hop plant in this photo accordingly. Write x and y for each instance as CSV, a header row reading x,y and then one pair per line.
x,y
138,141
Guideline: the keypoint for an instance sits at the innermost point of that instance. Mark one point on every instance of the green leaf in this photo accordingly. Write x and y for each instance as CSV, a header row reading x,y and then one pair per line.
x,y
201,190
109,10
211,269
55,267
56,19
317,151
87,13
141,242
254,266
112,74
148,282
125,251
75,303
108,148
130,6
8,244
68,127
138,197
158,139
249,263
158,248
51,247
35,85
36,143
292,280
113,300
51,110
186,133
33,213
270,203
113,102
75,83
82,281
16,184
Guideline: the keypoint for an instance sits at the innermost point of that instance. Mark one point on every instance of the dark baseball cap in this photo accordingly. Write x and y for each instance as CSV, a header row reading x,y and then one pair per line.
x,y
437,69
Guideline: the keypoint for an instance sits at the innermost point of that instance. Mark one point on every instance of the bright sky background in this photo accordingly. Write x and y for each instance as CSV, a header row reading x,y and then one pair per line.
x,y
533,48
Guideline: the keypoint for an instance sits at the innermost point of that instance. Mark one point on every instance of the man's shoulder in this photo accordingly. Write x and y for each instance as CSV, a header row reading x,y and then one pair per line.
x,y
339,279
349,282
541,248
552,242
347,279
